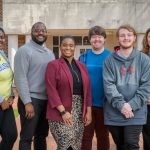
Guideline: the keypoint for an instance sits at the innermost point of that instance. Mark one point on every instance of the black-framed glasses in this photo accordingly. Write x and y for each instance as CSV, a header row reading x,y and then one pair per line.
x,y
40,30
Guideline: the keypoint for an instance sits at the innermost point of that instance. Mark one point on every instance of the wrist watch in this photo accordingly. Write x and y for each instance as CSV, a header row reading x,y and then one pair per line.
x,y
62,112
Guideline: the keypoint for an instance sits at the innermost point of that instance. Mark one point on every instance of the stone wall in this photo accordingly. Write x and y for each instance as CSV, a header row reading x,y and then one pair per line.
x,y
75,14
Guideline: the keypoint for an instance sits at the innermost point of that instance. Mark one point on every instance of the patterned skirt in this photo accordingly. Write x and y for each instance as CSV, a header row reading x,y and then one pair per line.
x,y
65,135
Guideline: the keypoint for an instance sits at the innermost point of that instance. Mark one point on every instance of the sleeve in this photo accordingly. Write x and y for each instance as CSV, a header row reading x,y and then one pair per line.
x,y
143,91
21,67
113,96
51,86
89,95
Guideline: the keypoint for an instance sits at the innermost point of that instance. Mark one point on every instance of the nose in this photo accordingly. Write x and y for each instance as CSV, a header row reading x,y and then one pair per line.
x,y
67,47
41,32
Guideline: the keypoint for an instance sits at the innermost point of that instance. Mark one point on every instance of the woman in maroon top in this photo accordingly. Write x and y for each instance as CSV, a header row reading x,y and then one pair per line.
x,y
69,97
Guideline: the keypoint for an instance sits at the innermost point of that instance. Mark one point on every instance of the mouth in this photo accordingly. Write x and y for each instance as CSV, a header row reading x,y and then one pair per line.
x,y
40,38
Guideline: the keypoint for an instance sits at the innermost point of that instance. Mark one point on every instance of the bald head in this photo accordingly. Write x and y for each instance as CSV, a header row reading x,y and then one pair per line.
x,y
39,33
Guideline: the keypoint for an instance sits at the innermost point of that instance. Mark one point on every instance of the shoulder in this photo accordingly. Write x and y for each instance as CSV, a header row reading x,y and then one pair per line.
x,y
109,57
54,62
144,58
83,55
107,52
24,50
51,53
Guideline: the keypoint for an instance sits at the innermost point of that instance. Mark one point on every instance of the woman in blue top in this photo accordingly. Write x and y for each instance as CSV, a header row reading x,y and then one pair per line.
x,y
146,128
8,130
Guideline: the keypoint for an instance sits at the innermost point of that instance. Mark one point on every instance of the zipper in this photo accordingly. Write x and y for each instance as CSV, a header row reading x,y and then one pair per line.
x,y
75,73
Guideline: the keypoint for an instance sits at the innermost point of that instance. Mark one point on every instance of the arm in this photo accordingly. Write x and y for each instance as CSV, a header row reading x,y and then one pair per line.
x,y
51,77
54,100
114,98
88,115
143,92
21,67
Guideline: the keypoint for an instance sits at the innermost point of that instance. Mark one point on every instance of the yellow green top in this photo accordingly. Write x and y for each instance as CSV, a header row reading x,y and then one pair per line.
x,y
6,77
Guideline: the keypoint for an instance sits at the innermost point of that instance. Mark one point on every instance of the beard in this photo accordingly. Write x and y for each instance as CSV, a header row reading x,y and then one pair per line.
x,y
37,41
127,47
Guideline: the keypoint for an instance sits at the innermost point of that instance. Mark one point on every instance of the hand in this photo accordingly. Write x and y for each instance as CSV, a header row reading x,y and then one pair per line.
x,y
126,107
148,101
5,104
11,100
29,110
88,118
127,110
128,114
67,118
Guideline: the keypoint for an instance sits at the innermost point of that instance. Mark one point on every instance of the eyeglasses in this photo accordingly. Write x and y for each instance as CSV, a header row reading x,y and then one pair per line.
x,y
40,30
126,35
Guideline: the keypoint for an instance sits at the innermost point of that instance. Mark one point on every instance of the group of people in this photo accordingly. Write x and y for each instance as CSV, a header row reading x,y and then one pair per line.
x,y
101,92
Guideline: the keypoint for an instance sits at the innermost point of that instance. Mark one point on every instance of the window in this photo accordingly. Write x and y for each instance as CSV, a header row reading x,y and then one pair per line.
x,y
86,40
55,40
56,52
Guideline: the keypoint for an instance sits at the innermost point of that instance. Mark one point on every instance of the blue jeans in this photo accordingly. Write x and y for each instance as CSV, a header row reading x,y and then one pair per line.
x,y
126,137
8,129
36,127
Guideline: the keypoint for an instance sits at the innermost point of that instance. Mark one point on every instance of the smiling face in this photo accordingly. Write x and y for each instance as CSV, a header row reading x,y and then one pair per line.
x,y
97,42
2,39
39,33
67,48
126,38
97,37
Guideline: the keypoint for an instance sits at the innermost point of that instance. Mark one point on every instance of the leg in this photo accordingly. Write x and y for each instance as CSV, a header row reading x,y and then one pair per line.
x,y
42,128
117,134
28,126
88,134
131,136
8,130
101,130
146,132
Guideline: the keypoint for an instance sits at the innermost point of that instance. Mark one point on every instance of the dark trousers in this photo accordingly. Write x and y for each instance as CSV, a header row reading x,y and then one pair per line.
x,y
8,129
146,132
126,137
100,129
36,127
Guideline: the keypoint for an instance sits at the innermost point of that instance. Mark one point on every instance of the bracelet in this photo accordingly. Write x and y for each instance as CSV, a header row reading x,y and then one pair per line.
x,y
62,112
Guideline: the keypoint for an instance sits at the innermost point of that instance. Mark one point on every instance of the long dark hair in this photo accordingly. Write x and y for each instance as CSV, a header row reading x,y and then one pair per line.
x,y
1,29
146,47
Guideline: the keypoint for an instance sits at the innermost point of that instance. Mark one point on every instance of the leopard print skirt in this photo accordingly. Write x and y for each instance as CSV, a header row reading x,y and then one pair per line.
x,y
66,136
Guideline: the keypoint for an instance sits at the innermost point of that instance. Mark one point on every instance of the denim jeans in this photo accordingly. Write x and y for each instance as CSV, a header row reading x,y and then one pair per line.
x,y
36,127
8,129
126,137
100,130
146,132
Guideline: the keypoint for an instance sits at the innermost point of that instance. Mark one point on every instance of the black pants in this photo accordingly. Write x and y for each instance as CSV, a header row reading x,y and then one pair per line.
x,y
126,137
146,132
36,127
8,129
